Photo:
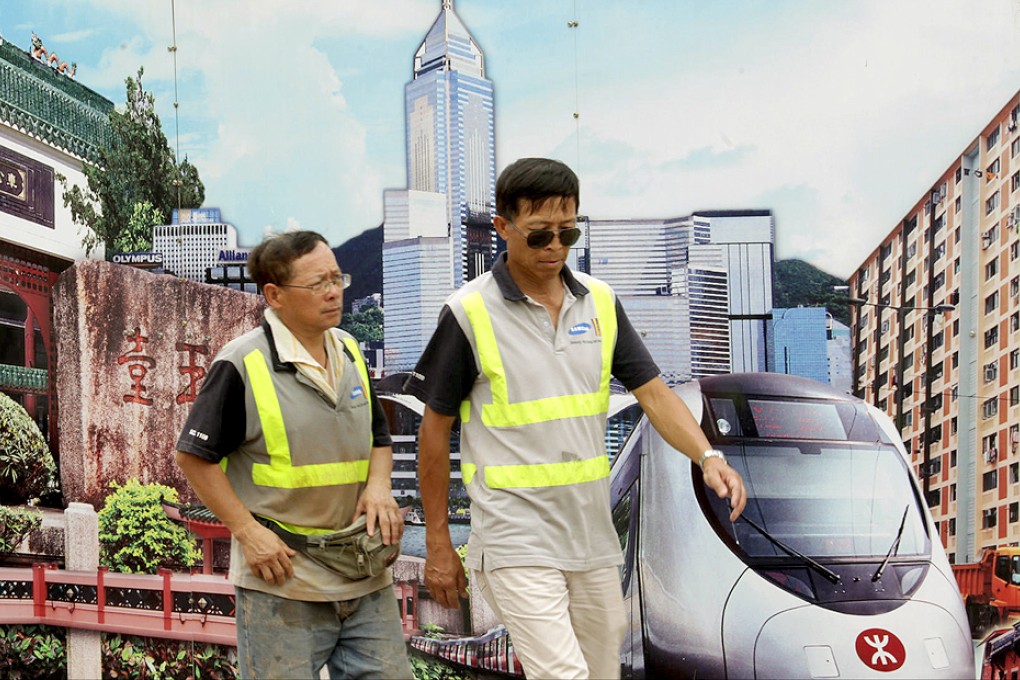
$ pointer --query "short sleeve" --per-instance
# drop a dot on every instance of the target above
(216, 425)
(447, 370)
(633, 365)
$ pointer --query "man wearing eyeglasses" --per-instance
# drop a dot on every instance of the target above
(523, 355)
(287, 445)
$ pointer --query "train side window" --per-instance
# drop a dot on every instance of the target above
(1015, 576)
(623, 522)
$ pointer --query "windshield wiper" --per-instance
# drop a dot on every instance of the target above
(820, 568)
(894, 547)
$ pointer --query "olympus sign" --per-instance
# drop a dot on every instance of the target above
(139, 259)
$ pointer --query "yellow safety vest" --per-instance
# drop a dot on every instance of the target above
(504, 413)
(280, 472)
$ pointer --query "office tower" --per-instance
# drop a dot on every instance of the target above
(191, 244)
(691, 285)
(746, 242)
(450, 163)
(798, 343)
(936, 340)
(451, 140)
(417, 273)
(838, 347)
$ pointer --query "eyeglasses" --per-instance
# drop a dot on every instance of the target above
(341, 281)
(540, 238)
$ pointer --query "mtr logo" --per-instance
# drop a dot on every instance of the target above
(880, 650)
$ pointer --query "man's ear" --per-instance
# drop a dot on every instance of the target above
(501, 225)
(272, 292)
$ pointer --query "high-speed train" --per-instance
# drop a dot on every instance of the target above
(834, 570)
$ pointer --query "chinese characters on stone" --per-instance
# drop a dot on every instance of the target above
(139, 363)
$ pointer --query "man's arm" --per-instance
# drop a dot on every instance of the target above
(267, 555)
(444, 573)
(673, 420)
(376, 500)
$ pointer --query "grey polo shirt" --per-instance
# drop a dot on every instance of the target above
(566, 527)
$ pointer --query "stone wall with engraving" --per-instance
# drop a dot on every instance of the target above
(132, 350)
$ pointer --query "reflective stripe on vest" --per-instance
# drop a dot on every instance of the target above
(502, 413)
(280, 473)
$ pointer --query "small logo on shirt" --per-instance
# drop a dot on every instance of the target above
(200, 435)
(579, 329)
(357, 392)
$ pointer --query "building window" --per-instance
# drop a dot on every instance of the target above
(1014, 395)
(1014, 473)
(1014, 322)
(993, 168)
(992, 203)
(1014, 512)
(1014, 250)
(953, 428)
(991, 337)
(1015, 148)
(992, 302)
(992, 268)
(1014, 285)
(1014, 360)
(989, 518)
(1014, 183)
(952, 458)
(952, 526)
(990, 407)
(993, 138)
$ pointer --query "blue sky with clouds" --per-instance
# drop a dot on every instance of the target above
(835, 115)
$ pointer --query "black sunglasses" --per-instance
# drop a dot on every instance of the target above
(540, 238)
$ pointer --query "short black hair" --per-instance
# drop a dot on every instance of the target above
(533, 181)
(270, 261)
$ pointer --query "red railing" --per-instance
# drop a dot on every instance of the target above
(172, 605)
(175, 605)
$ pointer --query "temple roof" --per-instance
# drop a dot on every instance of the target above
(52, 106)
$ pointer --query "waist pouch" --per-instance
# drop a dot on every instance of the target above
(350, 552)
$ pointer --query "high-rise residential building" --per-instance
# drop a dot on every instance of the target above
(193, 242)
(451, 146)
(937, 342)
(438, 232)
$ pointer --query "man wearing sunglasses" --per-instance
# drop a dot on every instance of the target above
(287, 445)
(523, 355)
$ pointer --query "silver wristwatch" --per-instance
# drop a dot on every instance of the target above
(711, 453)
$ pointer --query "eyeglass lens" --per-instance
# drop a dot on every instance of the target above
(540, 238)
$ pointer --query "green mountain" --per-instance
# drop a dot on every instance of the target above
(797, 283)
(361, 257)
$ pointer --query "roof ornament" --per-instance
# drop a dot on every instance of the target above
(51, 59)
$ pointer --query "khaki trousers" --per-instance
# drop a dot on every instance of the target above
(564, 624)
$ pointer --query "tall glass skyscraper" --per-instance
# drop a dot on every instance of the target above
(451, 153)
(451, 146)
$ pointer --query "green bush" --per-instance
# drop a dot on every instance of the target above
(136, 536)
(40, 652)
(27, 470)
(15, 525)
(32, 652)
(427, 667)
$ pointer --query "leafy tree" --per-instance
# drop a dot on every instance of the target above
(799, 283)
(366, 325)
(137, 179)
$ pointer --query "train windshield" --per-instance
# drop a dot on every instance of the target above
(825, 500)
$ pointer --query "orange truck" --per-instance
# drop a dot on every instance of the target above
(990, 587)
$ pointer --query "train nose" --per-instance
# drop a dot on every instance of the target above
(917, 640)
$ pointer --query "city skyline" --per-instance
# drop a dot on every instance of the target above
(832, 116)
